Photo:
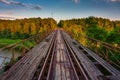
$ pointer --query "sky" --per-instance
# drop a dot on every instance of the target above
(59, 9)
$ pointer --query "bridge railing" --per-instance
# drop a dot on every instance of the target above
(109, 52)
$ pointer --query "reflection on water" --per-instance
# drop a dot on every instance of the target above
(3, 61)
(5, 56)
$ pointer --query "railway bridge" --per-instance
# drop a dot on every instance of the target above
(59, 57)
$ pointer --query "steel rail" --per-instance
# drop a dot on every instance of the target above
(73, 54)
(48, 54)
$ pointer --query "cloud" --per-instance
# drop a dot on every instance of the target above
(112, 0)
(12, 2)
(18, 3)
(10, 16)
(77, 1)
(37, 7)
(5, 1)
(7, 12)
(115, 0)
(7, 18)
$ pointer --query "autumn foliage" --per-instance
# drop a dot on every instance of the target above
(94, 27)
(24, 28)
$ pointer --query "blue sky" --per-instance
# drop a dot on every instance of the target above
(61, 9)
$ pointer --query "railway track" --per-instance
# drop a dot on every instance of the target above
(94, 67)
(60, 64)
(59, 57)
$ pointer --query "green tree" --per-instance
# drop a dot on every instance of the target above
(114, 36)
(61, 23)
(97, 33)
(7, 33)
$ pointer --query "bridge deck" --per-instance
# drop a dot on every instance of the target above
(25, 68)
(62, 68)
(59, 57)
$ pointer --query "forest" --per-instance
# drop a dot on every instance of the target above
(24, 28)
(93, 27)
(12, 31)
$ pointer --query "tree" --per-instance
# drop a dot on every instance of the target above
(114, 36)
(24, 28)
(97, 33)
(61, 23)
(7, 33)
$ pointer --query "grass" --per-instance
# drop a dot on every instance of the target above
(26, 45)
(5, 42)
